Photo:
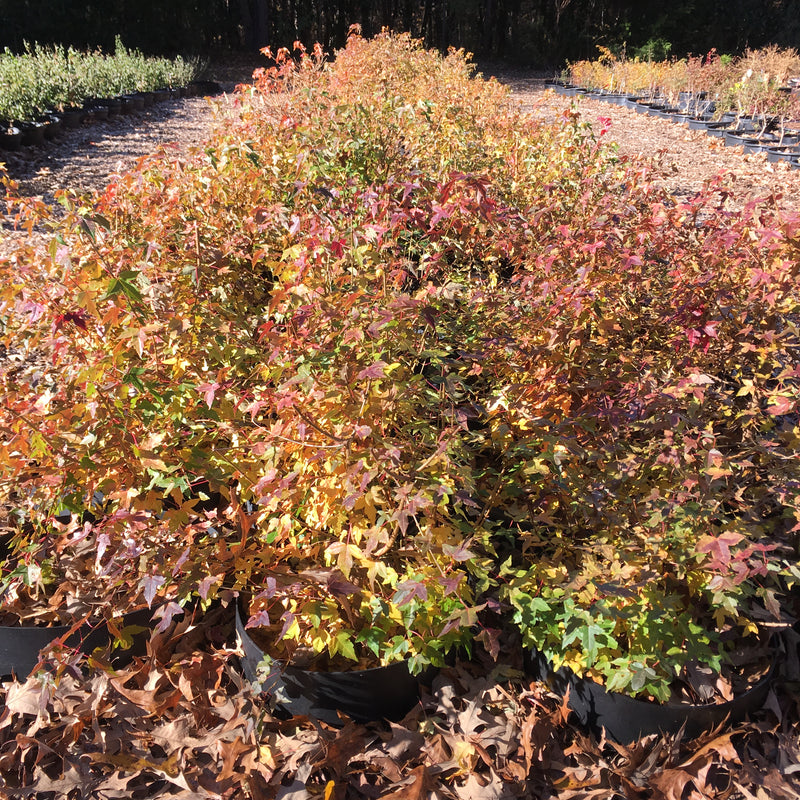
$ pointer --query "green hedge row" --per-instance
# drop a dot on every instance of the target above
(43, 78)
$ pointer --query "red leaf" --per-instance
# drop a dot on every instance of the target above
(460, 553)
(208, 390)
(259, 620)
(205, 585)
(165, 614)
(408, 590)
(780, 405)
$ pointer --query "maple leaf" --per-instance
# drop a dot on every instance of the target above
(460, 553)
(204, 585)
(259, 619)
(375, 370)
(362, 431)
(780, 405)
(208, 390)
(408, 590)
(166, 613)
(718, 547)
(150, 584)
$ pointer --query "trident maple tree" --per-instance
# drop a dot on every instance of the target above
(435, 366)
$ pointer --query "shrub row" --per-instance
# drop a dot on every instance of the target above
(756, 84)
(54, 78)
(408, 367)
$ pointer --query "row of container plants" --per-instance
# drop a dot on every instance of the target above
(47, 82)
(407, 372)
(751, 100)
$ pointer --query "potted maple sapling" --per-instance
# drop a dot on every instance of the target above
(50, 597)
(353, 559)
(322, 642)
(787, 108)
(779, 104)
(644, 546)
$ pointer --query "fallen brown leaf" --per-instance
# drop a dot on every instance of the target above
(415, 787)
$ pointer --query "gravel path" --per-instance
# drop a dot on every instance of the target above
(682, 160)
(86, 158)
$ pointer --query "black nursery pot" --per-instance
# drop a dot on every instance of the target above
(72, 117)
(388, 692)
(10, 137)
(33, 133)
(748, 142)
(626, 719)
(719, 129)
(52, 124)
(96, 111)
(207, 88)
(776, 154)
(20, 645)
(698, 123)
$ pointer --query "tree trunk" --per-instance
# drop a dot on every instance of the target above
(487, 37)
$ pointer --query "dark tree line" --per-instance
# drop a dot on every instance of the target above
(536, 32)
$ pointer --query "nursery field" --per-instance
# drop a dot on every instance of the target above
(378, 366)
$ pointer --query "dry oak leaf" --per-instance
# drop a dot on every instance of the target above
(25, 698)
(671, 783)
(482, 788)
(231, 752)
(415, 787)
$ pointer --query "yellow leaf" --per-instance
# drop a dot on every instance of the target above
(265, 757)
(465, 754)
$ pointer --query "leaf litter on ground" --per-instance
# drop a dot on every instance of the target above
(182, 722)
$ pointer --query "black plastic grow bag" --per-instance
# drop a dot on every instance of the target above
(626, 719)
(20, 645)
(388, 692)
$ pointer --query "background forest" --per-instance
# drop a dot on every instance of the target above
(541, 33)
